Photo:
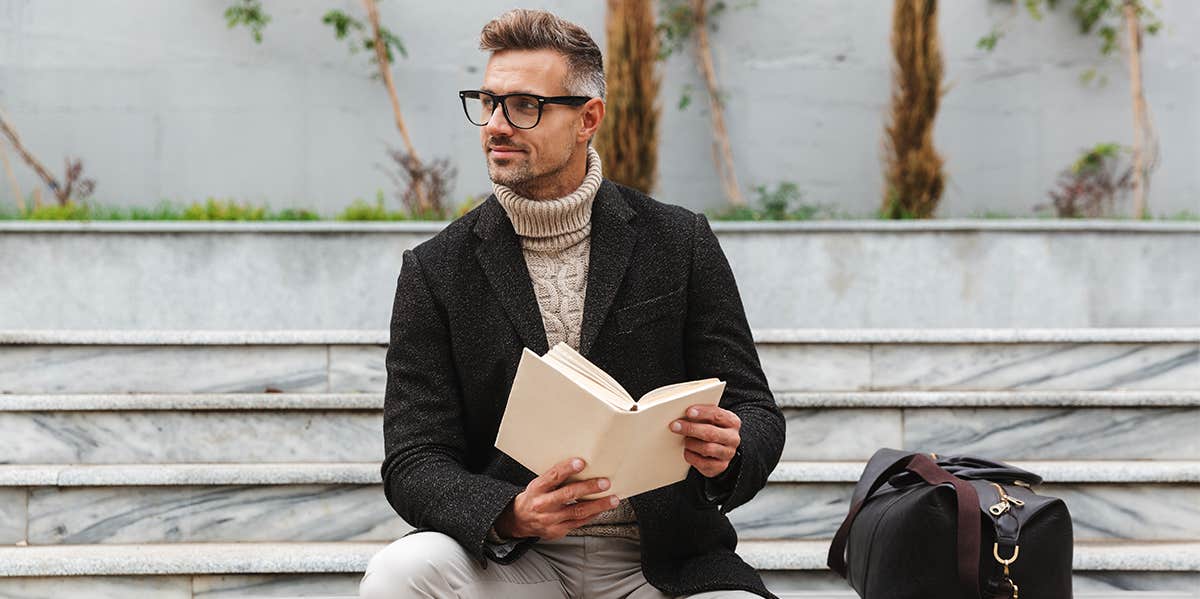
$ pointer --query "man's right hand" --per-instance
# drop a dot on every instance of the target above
(548, 509)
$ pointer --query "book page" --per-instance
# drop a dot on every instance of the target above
(654, 457)
(666, 392)
(564, 354)
(549, 418)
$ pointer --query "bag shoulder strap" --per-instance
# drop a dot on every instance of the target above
(889, 462)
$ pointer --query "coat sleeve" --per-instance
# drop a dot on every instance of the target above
(424, 474)
(719, 344)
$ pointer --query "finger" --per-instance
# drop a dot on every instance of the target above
(587, 509)
(707, 466)
(575, 490)
(715, 415)
(709, 450)
(707, 432)
(556, 475)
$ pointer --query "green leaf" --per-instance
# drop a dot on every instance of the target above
(391, 40)
(987, 43)
(249, 13)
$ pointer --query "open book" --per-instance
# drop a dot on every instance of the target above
(562, 406)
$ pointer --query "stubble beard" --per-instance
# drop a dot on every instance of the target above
(519, 175)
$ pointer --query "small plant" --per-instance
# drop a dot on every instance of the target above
(425, 181)
(683, 20)
(781, 203)
(1092, 185)
(1183, 215)
(71, 210)
(214, 209)
(414, 178)
(249, 13)
(343, 24)
(360, 210)
(1108, 18)
(73, 188)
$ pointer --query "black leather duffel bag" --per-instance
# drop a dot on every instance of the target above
(959, 528)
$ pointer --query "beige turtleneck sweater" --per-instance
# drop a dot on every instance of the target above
(556, 239)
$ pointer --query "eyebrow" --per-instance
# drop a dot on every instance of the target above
(520, 91)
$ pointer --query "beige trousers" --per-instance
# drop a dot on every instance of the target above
(431, 564)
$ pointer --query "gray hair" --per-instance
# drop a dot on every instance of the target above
(524, 29)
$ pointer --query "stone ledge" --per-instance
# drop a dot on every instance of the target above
(987, 399)
(85, 402)
(368, 473)
(762, 336)
(1078, 595)
(193, 337)
(124, 475)
(852, 595)
(718, 226)
(1056, 471)
(245, 558)
(979, 335)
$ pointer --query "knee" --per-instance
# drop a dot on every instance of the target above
(412, 566)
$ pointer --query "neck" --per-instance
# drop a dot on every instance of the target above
(558, 222)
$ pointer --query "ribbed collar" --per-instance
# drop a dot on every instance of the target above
(555, 224)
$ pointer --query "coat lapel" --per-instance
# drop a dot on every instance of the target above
(613, 239)
(500, 256)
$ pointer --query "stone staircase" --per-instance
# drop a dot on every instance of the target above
(246, 464)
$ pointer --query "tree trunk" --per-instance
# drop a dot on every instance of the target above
(722, 151)
(628, 138)
(914, 178)
(12, 181)
(51, 182)
(386, 72)
(1141, 115)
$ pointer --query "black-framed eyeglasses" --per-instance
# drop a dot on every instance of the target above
(523, 111)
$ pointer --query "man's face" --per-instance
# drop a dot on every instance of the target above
(517, 157)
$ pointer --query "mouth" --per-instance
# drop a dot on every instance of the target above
(504, 151)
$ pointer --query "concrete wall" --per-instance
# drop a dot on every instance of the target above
(162, 100)
(849, 275)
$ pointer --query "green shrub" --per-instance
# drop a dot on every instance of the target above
(781, 203)
(359, 210)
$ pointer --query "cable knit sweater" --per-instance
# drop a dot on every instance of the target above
(555, 238)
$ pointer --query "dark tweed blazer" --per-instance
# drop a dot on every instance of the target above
(661, 307)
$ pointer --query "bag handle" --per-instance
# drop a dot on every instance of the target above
(889, 462)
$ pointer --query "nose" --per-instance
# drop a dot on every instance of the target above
(497, 124)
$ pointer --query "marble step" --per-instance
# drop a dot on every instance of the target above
(197, 427)
(266, 402)
(852, 595)
(113, 504)
(333, 570)
(243, 558)
(793, 359)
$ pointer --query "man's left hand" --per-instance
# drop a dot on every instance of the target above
(711, 437)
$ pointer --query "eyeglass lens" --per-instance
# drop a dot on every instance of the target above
(522, 109)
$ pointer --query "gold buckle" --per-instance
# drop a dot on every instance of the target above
(1005, 562)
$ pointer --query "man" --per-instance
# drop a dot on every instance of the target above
(639, 287)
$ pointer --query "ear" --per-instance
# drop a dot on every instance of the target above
(592, 115)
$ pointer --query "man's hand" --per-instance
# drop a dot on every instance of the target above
(711, 437)
(548, 509)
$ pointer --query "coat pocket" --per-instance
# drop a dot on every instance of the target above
(628, 318)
